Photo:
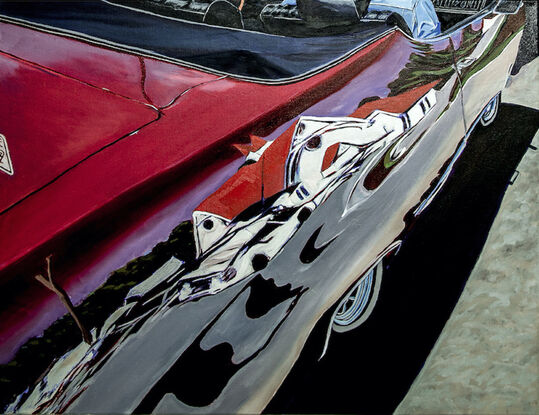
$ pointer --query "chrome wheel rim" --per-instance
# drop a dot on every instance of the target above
(490, 111)
(357, 305)
(351, 308)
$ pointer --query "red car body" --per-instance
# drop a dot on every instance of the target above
(133, 124)
(103, 138)
(94, 132)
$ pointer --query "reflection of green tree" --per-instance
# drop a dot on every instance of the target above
(426, 65)
(34, 356)
(498, 44)
(470, 39)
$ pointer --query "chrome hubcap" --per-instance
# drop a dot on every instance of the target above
(353, 306)
(490, 111)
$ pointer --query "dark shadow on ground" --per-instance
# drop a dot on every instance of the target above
(369, 370)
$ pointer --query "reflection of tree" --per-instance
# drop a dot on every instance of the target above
(52, 285)
(470, 39)
(63, 335)
(426, 65)
(506, 33)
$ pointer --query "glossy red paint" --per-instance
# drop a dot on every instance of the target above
(104, 68)
(147, 80)
(266, 177)
(30, 307)
(186, 131)
(395, 104)
(164, 82)
(253, 182)
(330, 155)
(52, 123)
(256, 143)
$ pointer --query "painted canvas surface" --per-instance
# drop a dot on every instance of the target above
(246, 206)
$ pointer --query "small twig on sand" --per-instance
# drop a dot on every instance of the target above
(51, 285)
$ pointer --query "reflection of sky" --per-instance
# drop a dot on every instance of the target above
(372, 82)
(457, 39)
(8, 73)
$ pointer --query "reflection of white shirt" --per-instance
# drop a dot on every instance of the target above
(418, 14)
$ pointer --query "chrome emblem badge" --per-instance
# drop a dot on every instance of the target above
(5, 159)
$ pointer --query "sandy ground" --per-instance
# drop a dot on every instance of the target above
(486, 359)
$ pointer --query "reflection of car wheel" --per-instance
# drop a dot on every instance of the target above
(358, 303)
(489, 113)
